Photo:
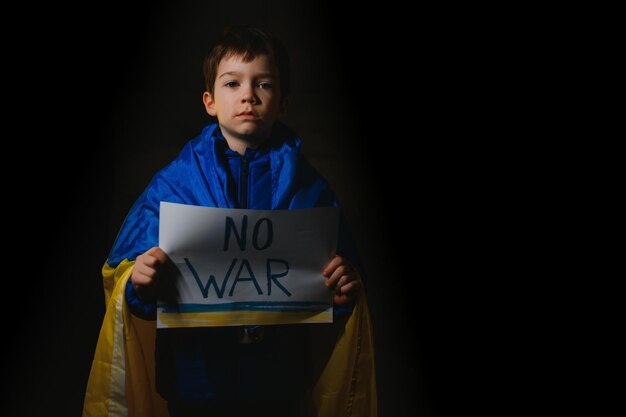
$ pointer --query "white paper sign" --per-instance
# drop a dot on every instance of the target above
(247, 266)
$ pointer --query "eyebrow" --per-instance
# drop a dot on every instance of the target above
(237, 73)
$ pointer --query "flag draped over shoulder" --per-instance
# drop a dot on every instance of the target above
(122, 378)
(121, 382)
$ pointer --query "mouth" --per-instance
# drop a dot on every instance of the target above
(247, 115)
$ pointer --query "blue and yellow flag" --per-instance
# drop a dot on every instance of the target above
(122, 378)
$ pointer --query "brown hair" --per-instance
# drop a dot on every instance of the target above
(247, 43)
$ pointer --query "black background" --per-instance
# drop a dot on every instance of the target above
(110, 95)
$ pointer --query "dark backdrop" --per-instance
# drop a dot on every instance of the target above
(111, 94)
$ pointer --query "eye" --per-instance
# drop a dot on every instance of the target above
(231, 84)
(265, 86)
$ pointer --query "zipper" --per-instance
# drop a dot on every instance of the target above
(247, 334)
(244, 182)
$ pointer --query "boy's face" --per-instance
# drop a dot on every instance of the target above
(246, 98)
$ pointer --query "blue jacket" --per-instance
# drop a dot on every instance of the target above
(208, 363)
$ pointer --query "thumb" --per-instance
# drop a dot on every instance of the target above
(153, 250)
(159, 254)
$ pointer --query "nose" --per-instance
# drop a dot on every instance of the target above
(248, 95)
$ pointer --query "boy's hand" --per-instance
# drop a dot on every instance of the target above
(342, 277)
(151, 267)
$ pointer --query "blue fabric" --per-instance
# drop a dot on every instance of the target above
(207, 363)
(146, 311)
(200, 176)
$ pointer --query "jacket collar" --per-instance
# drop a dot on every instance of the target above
(284, 150)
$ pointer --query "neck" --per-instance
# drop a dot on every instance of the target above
(239, 144)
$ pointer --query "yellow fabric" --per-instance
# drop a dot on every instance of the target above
(122, 380)
(346, 386)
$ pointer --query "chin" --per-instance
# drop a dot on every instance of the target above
(254, 133)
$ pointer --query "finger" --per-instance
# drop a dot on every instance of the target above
(153, 250)
(139, 279)
(144, 269)
(346, 279)
(332, 265)
(343, 300)
(350, 288)
(337, 274)
(147, 260)
(158, 254)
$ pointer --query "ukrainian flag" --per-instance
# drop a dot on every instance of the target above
(122, 378)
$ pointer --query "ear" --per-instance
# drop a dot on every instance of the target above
(209, 103)
(282, 109)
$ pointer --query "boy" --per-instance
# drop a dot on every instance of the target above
(246, 160)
